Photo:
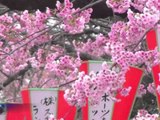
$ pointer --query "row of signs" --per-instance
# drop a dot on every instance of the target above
(39, 104)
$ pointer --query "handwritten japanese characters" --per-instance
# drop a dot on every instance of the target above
(44, 104)
(102, 111)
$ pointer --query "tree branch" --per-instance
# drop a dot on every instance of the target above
(14, 77)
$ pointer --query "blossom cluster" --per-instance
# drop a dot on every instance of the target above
(121, 6)
(131, 32)
(93, 86)
(144, 115)
(73, 19)
(150, 88)
(65, 69)
(20, 32)
(141, 90)
(123, 45)
(91, 47)
(139, 4)
(51, 68)
(17, 27)
(12, 65)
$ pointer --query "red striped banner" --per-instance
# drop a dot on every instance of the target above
(118, 110)
(153, 41)
(59, 107)
(122, 110)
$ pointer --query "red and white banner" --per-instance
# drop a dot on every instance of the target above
(11, 111)
(41, 103)
(153, 41)
(107, 109)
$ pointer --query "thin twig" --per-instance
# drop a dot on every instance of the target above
(89, 5)
(62, 85)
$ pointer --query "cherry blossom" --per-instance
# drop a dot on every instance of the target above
(141, 90)
(151, 88)
(73, 20)
(143, 114)
(94, 48)
(51, 55)
(119, 6)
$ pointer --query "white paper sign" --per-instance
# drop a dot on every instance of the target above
(158, 38)
(103, 111)
(44, 103)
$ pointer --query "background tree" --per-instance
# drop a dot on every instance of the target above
(45, 48)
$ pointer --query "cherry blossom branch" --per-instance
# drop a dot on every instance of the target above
(14, 77)
(43, 32)
(62, 85)
(141, 39)
(90, 5)
(70, 48)
(135, 46)
(18, 42)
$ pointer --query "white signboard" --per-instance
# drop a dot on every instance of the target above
(158, 38)
(103, 111)
(43, 104)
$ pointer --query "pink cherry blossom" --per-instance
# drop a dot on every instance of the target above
(73, 20)
(119, 6)
(151, 88)
(144, 115)
(141, 90)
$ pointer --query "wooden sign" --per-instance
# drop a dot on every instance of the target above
(153, 41)
(107, 109)
(42, 103)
